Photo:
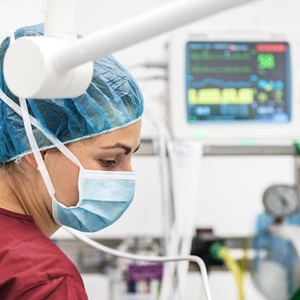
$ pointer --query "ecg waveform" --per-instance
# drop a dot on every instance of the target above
(237, 81)
(225, 69)
(222, 83)
(207, 55)
(267, 85)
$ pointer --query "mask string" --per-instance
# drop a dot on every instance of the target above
(22, 110)
(56, 142)
(12, 38)
(33, 144)
(35, 148)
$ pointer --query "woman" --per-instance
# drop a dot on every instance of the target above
(71, 167)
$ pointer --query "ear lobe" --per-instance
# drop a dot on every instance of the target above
(31, 160)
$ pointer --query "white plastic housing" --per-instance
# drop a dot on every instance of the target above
(129, 32)
(32, 70)
(61, 19)
(239, 133)
(29, 70)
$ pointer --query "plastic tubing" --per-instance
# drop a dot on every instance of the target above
(221, 252)
(117, 253)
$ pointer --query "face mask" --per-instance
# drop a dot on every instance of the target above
(103, 196)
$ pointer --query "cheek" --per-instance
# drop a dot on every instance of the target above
(64, 177)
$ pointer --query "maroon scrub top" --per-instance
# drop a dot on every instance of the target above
(31, 265)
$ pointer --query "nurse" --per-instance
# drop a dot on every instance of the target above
(63, 162)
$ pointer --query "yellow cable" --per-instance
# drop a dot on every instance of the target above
(233, 266)
(245, 261)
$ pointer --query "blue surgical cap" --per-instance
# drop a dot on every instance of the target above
(112, 101)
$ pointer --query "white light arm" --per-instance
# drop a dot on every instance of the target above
(145, 26)
(61, 19)
(46, 67)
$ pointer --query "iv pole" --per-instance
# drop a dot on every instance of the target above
(59, 65)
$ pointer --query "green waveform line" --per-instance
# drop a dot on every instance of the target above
(206, 55)
(226, 69)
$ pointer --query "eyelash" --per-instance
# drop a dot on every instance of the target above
(107, 163)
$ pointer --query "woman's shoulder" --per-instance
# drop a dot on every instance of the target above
(28, 258)
(16, 229)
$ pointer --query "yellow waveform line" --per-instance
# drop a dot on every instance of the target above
(217, 96)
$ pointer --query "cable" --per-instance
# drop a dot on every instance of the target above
(170, 245)
(219, 251)
(192, 172)
(235, 269)
(245, 259)
(117, 253)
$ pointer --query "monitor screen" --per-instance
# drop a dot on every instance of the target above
(238, 81)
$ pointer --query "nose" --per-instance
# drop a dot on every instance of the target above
(126, 167)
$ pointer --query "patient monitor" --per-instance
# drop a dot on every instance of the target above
(229, 86)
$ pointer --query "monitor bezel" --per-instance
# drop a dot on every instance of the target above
(239, 132)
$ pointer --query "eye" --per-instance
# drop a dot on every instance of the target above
(107, 163)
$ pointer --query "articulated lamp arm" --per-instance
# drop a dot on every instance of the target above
(51, 67)
(140, 28)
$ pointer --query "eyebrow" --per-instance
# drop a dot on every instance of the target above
(122, 146)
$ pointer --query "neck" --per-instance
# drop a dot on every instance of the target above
(18, 196)
(9, 199)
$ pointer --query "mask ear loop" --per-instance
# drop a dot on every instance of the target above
(35, 148)
(12, 38)
(22, 110)
(33, 144)
(56, 142)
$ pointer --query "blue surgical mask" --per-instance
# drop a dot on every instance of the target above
(103, 196)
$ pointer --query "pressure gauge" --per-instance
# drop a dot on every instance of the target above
(281, 200)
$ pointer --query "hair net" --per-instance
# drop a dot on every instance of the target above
(113, 100)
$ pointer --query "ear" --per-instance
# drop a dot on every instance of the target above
(31, 160)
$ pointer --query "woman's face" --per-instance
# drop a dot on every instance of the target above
(108, 152)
